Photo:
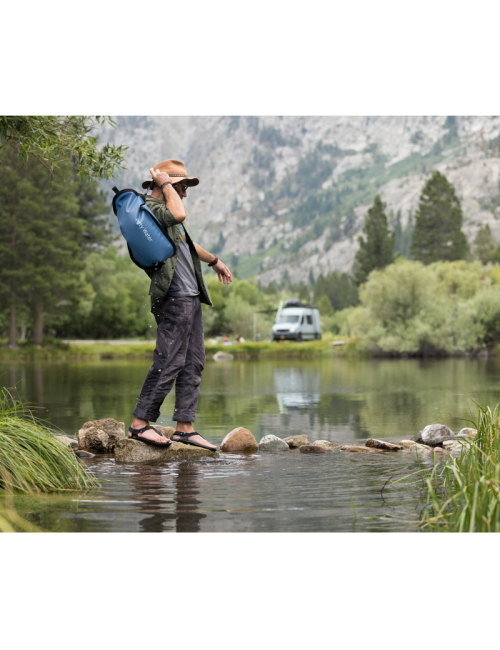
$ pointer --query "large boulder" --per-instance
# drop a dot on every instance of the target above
(381, 444)
(101, 436)
(135, 451)
(239, 439)
(435, 434)
(273, 443)
(324, 444)
(294, 442)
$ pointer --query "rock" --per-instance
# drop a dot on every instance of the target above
(101, 436)
(273, 443)
(434, 434)
(223, 356)
(324, 444)
(355, 448)
(407, 444)
(168, 432)
(135, 451)
(456, 445)
(83, 454)
(69, 442)
(439, 450)
(417, 447)
(294, 442)
(466, 432)
(313, 449)
(385, 446)
(239, 439)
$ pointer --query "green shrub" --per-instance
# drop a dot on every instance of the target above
(33, 460)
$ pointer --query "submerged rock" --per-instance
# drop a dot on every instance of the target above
(69, 442)
(273, 443)
(313, 449)
(355, 448)
(223, 356)
(239, 439)
(83, 454)
(135, 451)
(435, 434)
(101, 436)
(381, 444)
(324, 444)
(294, 442)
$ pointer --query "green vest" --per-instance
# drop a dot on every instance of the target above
(162, 277)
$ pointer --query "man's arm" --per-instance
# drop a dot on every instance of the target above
(221, 269)
(172, 199)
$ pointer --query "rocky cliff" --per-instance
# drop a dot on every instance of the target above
(291, 193)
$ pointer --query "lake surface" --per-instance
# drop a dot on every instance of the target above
(340, 400)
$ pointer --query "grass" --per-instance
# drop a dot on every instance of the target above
(463, 495)
(33, 460)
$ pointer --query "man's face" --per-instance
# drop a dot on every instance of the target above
(181, 189)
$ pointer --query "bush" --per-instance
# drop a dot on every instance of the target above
(441, 309)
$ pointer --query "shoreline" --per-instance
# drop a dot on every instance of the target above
(251, 351)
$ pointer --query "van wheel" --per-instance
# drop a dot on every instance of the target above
(299, 337)
(318, 337)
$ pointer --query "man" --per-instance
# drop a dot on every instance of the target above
(177, 291)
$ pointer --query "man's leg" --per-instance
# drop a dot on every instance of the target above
(173, 318)
(187, 385)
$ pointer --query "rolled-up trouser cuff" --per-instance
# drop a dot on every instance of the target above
(142, 414)
(184, 416)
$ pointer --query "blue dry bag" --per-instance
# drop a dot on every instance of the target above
(148, 242)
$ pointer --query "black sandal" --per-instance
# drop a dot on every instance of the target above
(134, 436)
(181, 434)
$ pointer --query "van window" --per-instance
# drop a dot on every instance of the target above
(309, 320)
(288, 319)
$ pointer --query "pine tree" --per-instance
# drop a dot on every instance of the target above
(438, 224)
(42, 227)
(484, 247)
(376, 252)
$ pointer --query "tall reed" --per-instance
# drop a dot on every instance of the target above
(33, 460)
(463, 495)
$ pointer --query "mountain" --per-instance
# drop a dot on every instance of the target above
(291, 193)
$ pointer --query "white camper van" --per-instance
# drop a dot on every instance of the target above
(296, 322)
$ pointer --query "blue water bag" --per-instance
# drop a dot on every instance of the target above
(148, 242)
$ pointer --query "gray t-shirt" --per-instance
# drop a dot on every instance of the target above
(184, 281)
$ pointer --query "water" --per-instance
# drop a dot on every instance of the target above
(340, 400)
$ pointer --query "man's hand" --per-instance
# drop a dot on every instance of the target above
(223, 272)
(159, 177)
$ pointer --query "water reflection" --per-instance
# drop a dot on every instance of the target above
(168, 504)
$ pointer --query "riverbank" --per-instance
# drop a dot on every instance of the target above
(104, 350)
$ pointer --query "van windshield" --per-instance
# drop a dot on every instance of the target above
(288, 319)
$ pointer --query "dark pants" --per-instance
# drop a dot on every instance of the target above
(179, 352)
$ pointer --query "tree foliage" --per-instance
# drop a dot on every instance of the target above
(339, 288)
(46, 228)
(438, 223)
(443, 308)
(377, 250)
(53, 140)
(484, 247)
